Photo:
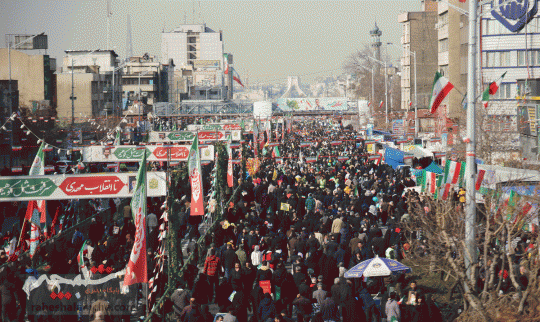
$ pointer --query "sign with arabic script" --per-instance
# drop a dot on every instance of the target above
(514, 14)
(80, 186)
(132, 153)
(188, 136)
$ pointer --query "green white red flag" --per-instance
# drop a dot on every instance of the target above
(491, 90)
(195, 179)
(441, 88)
(430, 182)
(80, 257)
(39, 211)
(136, 271)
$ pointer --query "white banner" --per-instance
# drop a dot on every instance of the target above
(79, 186)
(133, 153)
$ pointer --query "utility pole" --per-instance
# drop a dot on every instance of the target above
(470, 169)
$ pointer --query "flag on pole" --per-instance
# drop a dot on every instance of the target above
(54, 222)
(441, 88)
(136, 271)
(226, 63)
(492, 90)
(195, 179)
(430, 182)
(236, 77)
(80, 257)
(39, 212)
(230, 178)
(381, 104)
(117, 140)
(275, 152)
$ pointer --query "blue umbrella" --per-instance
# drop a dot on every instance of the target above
(377, 267)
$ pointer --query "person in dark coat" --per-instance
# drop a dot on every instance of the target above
(201, 290)
(267, 309)
(229, 259)
(255, 298)
(240, 304)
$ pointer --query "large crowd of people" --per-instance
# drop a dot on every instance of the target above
(280, 253)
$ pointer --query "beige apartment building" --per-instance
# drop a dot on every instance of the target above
(419, 37)
(452, 27)
(35, 77)
(89, 74)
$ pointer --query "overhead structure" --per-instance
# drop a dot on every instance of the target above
(293, 81)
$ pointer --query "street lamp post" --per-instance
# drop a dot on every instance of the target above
(385, 85)
(73, 98)
(416, 125)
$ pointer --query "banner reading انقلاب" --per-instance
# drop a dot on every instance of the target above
(136, 269)
(195, 179)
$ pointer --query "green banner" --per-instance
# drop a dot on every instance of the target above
(26, 188)
(131, 153)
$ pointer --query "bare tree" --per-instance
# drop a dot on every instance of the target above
(505, 285)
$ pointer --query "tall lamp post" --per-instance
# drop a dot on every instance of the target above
(141, 74)
(416, 125)
(385, 85)
(15, 46)
(372, 84)
(470, 168)
(73, 98)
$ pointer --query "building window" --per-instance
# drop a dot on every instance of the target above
(443, 45)
(444, 70)
(521, 58)
(443, 19)
(504, 92)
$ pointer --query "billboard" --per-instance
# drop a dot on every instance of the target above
(133, 153)
(79, 186)
(206, 64)
(313, 104)
(164, 136)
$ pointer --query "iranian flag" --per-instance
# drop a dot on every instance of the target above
(381, 104)
(492, 90)
(236, 77)
(39, 212)
(441, 88)
(136, 271)
(430, 182)
(226, 63)
(275, 152)
(230, 179)
(80, 257)
(195, 179)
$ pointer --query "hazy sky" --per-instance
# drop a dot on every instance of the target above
(270, 39)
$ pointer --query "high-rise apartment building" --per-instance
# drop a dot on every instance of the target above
(452, 27)
(197, 52)
(419, 37)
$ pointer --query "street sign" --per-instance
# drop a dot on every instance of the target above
(79, 186)
(132, 153)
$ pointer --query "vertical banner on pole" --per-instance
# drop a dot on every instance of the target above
(136, 269)
(195, 179)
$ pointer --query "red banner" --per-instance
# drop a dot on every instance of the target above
(195, 179)
(230, 179)
(98, 185)
(266, 286)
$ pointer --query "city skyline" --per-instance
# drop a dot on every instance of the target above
(270, 40)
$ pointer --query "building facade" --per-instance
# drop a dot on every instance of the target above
(197, 52)
(419, 37)
(146, 80)
(452, 32)
(516, 53)
(89, 75)
(36, 80)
